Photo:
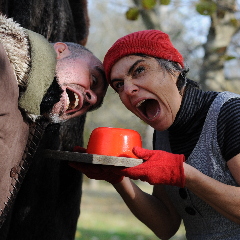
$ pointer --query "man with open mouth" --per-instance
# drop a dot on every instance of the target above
(82, 81)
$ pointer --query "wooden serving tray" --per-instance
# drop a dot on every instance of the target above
(92, 158)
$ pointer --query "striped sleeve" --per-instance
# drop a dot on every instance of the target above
(228, 130)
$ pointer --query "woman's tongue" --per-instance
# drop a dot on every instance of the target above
(150, 108)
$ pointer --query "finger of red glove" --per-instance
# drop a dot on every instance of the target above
(160, 167)
(93, 171)
(79, 149)
(157, 155)
(85, 167)
(98, 172)
(141, 153)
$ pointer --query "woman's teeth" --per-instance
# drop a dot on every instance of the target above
(149, 108)
(139, 104)
(150, 118)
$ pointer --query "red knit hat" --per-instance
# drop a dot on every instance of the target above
(149, 42)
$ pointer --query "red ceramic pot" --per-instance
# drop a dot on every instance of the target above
(117, 142)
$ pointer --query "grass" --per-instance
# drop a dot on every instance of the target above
(104, 216)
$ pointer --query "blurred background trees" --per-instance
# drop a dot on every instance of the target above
(206, 32)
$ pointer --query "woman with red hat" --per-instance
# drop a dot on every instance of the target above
(198, 182)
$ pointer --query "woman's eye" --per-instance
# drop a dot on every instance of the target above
(138, 70)
(117, 85)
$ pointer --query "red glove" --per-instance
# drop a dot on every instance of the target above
(160, 167)
(95, 171)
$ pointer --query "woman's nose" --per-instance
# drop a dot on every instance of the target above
(90, 97)
(130, 88)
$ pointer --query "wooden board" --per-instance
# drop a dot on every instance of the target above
(92, 158)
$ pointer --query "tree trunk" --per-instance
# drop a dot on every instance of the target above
(223, 27)
(150, 17)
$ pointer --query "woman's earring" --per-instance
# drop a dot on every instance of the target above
(181, 83)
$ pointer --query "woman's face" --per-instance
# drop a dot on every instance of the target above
(147, 90)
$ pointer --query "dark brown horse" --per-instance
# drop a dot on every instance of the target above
(47, 206)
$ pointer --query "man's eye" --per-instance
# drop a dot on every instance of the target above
(94, 81)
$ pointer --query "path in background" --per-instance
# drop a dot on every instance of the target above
(104, 216)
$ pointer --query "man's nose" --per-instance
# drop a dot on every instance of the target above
(91, 97)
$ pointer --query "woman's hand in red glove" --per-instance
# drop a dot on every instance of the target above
(95, 171)
(159, 167)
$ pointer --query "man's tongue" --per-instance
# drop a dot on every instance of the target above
(150, 108)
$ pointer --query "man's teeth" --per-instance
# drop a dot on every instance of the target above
(140, 103)
(76, 100)
(72, 104)
(68, 101)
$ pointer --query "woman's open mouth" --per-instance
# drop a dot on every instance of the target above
(149, 108)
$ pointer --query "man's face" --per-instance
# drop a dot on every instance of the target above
(84, 86)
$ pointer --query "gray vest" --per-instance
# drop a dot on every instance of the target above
(201, 221)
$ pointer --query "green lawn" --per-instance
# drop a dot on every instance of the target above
(104, 216)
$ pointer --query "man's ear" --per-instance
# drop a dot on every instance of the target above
(61, 50)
